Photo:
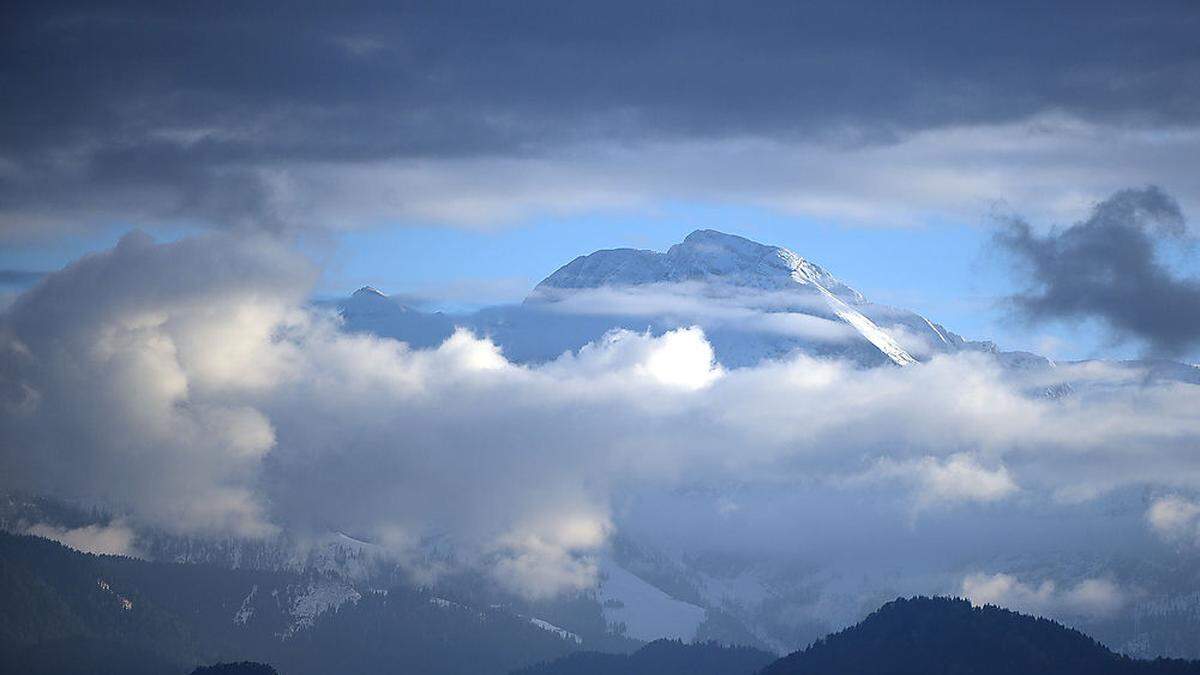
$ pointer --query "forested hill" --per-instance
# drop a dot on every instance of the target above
(919, 636)
(662, 657)
(62, 611)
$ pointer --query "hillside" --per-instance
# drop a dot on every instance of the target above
(940, 635)
(662, 657)
(65, 611)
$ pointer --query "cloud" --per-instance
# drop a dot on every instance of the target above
(1089, 598)
(1054, 166)
(1175, 518)
(227, 121)
(115, 538)
(725, 309)
(958, 477)
(188, 385)
(539, 562)
(104, 362)
(680, 358)
(1110, 267)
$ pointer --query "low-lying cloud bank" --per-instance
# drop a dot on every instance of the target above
(1176, 519)
(115, 538)
(1094, 598)
(189, 386)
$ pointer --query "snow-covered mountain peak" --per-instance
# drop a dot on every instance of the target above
(754, 302)
(368, 292)
(718, 263)
(369, 301)
(705, 256)
(709, 254)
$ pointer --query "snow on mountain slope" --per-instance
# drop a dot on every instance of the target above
(714, 263)
(704, 255)
(319, 596)
(753, 301)
(644, 611)
(868, 329)
(560, 632)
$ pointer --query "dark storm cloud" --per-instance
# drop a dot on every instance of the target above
(106, 101)
(1109, 267)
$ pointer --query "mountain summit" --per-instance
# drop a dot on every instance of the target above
(754, 302)
(943, 635)
(718, 265)
(705, 256)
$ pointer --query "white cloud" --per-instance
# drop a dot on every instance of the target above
(187, 386)
(714, 305)
(1053, 165)
(1175, 518)
(1089, 597)
(680, 358)
(957, 478)
(115, 538)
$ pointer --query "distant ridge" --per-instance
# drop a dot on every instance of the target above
(921, 635)
(661, 657)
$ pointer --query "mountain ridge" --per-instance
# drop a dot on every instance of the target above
(754, 301)
(919, 635)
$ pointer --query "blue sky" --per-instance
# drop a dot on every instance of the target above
(947, 271)
(461, 155)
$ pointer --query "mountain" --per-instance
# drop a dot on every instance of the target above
(949, 636)
(720, 266)
(241, 668)
(916, 636)
(65, 611)
(704, 255)
(754, 302)
(661, 657)
(368, 310)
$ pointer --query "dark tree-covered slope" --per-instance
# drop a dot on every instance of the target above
(240, 668)
(62, 611)
(924, 636)
(662, 657)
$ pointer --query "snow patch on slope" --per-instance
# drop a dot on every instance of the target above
(247, 609)
(561, 632)
(868, 329)
(645, 612)
(317, 598)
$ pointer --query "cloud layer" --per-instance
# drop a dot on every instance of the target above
(373, 113)
(1090, 597)
(189, 386)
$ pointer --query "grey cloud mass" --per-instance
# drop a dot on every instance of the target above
(153, 110)
(1111, 267)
